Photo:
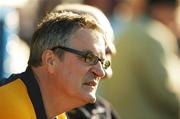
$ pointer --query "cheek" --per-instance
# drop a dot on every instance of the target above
(73, 75)
(77, 69)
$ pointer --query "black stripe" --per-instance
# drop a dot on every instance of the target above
(34, 92)
(5, 81)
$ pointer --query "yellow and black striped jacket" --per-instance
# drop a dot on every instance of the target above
(20, 97)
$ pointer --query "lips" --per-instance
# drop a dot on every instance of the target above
(91, 83)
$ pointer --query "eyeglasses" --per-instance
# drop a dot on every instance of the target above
(88, 56)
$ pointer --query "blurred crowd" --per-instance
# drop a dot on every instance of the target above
(146, 68)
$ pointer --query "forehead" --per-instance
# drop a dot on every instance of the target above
(88, 39)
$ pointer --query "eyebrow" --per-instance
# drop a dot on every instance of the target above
(98, 54)
(80, 53)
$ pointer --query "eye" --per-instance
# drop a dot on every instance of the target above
(91, 58)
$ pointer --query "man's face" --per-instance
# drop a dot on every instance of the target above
(75, 78)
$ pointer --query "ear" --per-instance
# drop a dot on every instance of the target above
(49, 60)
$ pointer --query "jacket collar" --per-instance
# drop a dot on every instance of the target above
(34, 92)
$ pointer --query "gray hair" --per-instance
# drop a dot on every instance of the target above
(57, 29)
(97, 14)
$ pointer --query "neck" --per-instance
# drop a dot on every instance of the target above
(55, 101)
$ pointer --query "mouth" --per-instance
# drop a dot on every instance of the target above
(91, 83)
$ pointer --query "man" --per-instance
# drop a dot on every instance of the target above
(101, 108)
(67, 60)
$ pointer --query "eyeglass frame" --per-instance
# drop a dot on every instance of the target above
(84, 54)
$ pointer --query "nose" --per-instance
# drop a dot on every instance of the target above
(98, 70)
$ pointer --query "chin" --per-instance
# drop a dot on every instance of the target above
(90, 98)
(93, 100)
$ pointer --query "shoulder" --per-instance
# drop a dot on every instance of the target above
(14, 99)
